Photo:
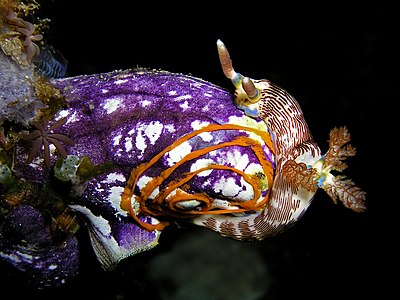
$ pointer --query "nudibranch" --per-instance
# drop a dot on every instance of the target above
(300, 167)
(292, 176)
(155, 135)
(150, 147)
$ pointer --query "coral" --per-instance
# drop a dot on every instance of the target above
(27, 35)
(5, 174)
(50, 63)
(66, 168)
(17, 94)
(28, 246)
(50, 96)
(43, 135)
(23, 92)
(18, 37)
(78, 170)
(65, 223)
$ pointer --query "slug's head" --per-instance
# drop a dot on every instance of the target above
(248, 91)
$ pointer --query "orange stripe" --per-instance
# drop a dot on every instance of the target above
(156, 209)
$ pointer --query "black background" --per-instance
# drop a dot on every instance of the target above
(334, 59)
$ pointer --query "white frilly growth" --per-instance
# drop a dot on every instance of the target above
(17, 101)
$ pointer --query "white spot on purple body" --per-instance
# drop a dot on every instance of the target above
(117, 139)
(202, 163)
(227, 187)
(145, 103)
(183, 97)
(170, 128)
(184, 105)
(179, 152)
(128, 144)
(121, 81)
(153, 131)
(172, 93)
(196, 125)
(112, 104)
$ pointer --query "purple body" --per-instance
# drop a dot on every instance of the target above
(125, 118)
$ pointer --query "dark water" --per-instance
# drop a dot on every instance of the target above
(334, 60)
